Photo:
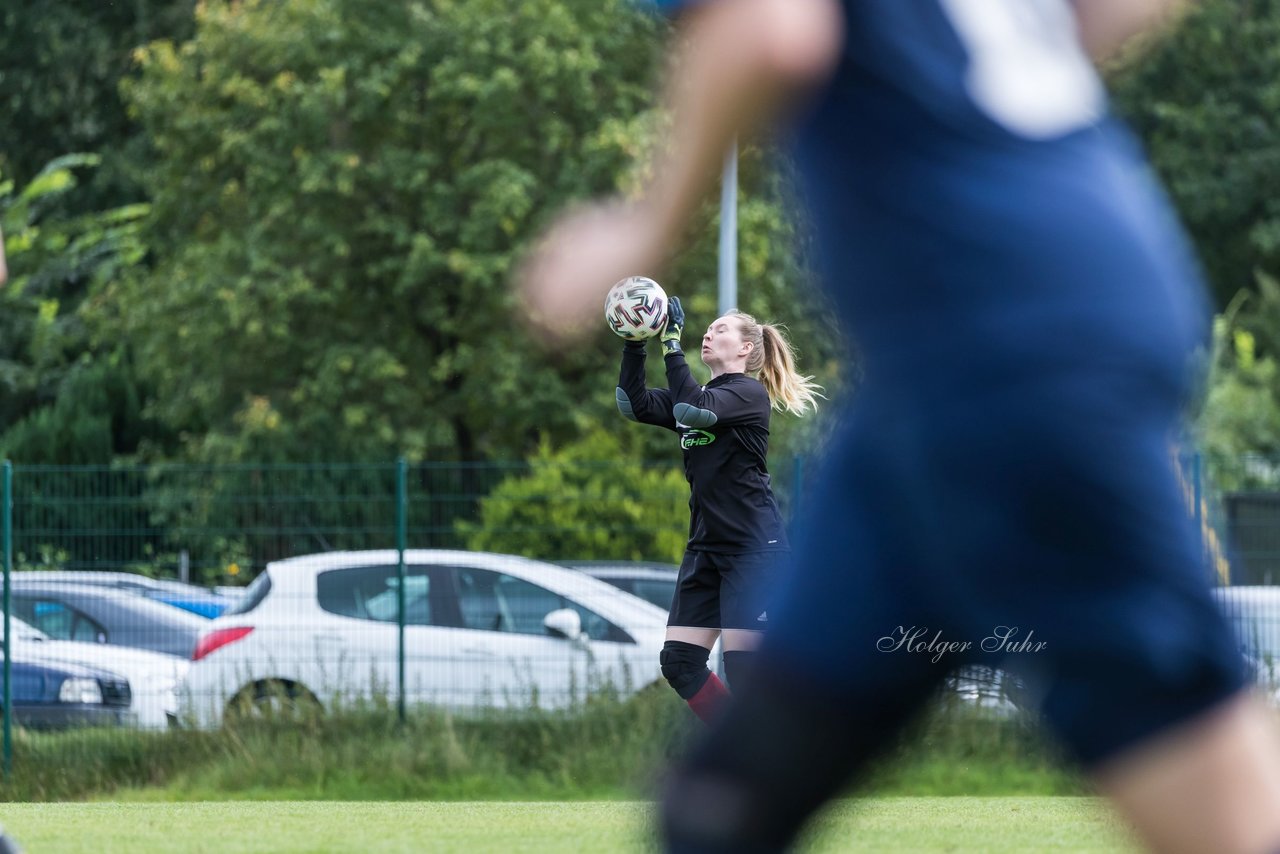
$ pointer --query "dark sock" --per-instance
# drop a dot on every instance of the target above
(737, 667)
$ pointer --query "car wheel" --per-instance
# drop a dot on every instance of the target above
(273, 699)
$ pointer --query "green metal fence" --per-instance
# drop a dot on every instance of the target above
(219, 526)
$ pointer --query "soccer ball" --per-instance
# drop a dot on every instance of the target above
(636, 308)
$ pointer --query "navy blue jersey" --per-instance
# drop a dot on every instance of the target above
(980, 212)
(972, 65)
(724, 434)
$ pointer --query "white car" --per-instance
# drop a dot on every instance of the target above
(1254, 612)
(482, 630)
(653, 582)
(153, 676)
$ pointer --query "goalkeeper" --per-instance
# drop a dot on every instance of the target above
(736, 534)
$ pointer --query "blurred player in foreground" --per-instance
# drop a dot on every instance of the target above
(1025, 305)
(735, 530)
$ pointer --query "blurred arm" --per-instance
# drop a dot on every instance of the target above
(737, 64)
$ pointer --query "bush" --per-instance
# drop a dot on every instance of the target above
(569, 504)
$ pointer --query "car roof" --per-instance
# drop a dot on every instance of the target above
(122, 599)
(642, 573)
(297, 575)
(111, 578)
(639, 570)
(619, 564)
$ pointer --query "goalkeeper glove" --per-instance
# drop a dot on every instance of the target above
(675, 325)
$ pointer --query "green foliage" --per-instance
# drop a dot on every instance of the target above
(61, 64)
(66, 396)
(340, 191)
(607, 748)
(954, 749)
(1240, 418)
(569, 505)
(237, 518)
(1206, 100)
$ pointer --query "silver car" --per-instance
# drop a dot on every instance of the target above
(81, 612)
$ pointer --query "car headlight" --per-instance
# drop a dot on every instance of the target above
(79, 689)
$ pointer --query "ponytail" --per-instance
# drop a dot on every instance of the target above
(773, 360)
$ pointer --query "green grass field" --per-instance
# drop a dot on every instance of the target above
(877, 824)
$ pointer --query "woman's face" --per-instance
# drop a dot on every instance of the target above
(723, 350)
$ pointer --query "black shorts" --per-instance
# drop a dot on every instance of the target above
(724, 591)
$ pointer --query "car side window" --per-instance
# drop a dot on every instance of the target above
(525, 604)
(59, 621)
(478, 600)
(372, 593)
(495, 601)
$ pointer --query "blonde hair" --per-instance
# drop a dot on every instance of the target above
(774, 361)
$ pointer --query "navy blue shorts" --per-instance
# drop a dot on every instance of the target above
(724, 591)
(1037, 527)
(1004, 490)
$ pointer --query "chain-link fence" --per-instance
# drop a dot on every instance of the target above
(391, 584)
(150, 597)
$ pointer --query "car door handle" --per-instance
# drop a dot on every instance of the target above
(478, 652)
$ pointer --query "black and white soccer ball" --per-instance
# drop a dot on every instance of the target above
(636, 308)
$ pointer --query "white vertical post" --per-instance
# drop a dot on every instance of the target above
(729, 231)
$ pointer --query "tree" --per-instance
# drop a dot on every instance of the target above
(61, 65)
(1239, 422)
(68, 396)
(1206, 100)
(340, 190)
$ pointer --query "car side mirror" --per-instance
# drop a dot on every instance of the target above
(565, 623)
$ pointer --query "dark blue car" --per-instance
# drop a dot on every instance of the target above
(60, 696)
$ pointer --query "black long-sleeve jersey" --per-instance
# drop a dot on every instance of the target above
(724, 434)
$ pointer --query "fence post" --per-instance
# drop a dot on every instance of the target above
(6, 498)
(402, 515)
